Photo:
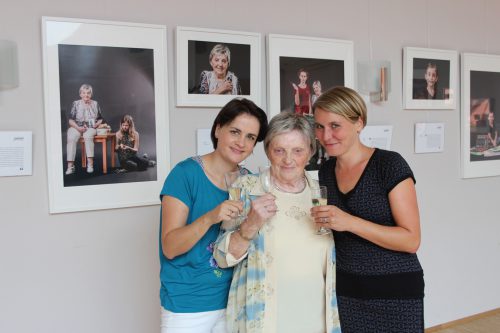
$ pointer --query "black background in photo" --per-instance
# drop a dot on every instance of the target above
(199, 54)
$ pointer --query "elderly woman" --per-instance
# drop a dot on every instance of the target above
(84, 118)
(219, 80)
(283, 268)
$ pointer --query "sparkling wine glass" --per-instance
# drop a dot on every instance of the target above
(319, 197)
(265, 178)
(235, 189)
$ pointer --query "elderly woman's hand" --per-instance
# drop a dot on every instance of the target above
(224, 87)
(262, 209)
(331, 217)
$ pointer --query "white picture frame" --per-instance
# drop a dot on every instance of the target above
(112, 53)
(415, 63)
(330, 61)
(480, 74)
(194, 46)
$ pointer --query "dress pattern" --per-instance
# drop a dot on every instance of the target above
(378, 290)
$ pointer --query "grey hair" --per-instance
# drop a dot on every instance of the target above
(220, 49)
(318, 83)
(286, 122)
(85, 86)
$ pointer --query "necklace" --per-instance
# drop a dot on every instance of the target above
(302, 186)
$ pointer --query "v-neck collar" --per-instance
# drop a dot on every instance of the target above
(348, 193)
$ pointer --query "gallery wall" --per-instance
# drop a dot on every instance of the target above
(97, 271)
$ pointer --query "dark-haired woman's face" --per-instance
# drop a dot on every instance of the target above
(303, 77)
(236, 140)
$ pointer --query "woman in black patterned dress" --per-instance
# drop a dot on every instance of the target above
(373, 212)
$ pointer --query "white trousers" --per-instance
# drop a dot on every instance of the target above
(197, 322)
(74, 136)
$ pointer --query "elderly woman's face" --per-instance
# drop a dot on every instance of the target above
(219, 64)
(85, 95)
(289, 153)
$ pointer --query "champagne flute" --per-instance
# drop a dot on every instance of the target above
(235, 189)
(265, 178)
(319, 197)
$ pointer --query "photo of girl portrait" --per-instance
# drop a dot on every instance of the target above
(302, 81)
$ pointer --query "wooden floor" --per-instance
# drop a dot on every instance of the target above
(487, 322)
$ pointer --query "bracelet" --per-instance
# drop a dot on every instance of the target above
(248, 239)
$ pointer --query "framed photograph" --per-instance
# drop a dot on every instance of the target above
(214, 66)
(300, 69)
(430, 78)
(106, 116)
(480, 115)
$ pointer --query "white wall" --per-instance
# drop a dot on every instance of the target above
(97, 271)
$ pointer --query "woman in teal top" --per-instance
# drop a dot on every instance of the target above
(194, 201)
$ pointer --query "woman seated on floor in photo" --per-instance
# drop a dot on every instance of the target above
(127, 147)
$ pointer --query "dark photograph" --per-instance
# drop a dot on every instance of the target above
(302, 80)
(107, 114)
(218, 68)
(484, 116)
(431, 79)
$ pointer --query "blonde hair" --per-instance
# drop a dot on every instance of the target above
(343, 101)
(131, 127)
(85, 86)
(220, 49)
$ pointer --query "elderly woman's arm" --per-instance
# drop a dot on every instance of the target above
(232, 247)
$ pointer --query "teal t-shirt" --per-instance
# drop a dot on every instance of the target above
(192, 282)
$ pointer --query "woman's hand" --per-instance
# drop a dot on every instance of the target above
(262, 209)
(331, 217)
(295, 87)
(224, 87)
(228, 210)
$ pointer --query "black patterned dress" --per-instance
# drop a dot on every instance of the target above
(378, 290)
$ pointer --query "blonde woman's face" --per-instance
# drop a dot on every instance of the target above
(335, 133)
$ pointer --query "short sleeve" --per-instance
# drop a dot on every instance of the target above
(395, 170)
(178, 185)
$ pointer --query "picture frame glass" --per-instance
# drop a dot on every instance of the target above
(96, 74)
(430, 78)
(215, 66)
(480, 115)
(300, 69)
